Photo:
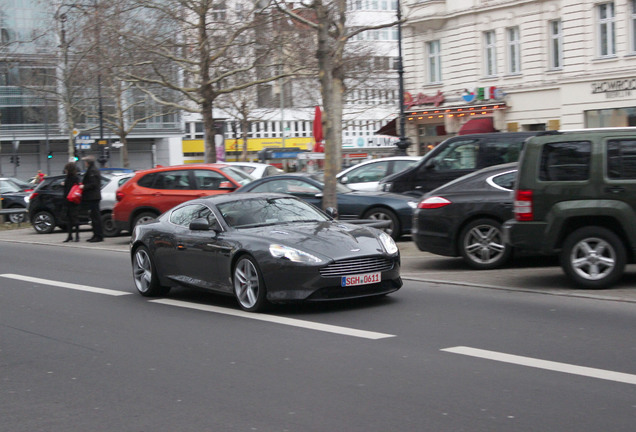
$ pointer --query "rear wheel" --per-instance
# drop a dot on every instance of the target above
(43, 222)
(381, 214)
(145, 274)
(143, 217)
(17, 217)
(481, 244)
(594, 257)
(249, 288)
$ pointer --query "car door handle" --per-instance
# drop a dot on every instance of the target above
(615, 189)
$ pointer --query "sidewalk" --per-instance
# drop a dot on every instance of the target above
(536, 275)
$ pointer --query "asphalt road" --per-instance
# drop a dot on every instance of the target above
(80, 351)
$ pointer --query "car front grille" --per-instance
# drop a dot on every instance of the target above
(356, 266)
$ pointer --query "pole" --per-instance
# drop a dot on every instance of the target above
(403, 142)
(46, 135)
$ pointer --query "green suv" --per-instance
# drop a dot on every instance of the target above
(575, 196)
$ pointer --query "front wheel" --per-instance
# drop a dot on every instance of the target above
(594, 257)
(249, 287)
(108, 225)
(145, 274)
(384, 215)
(481, 244)
(43, 222)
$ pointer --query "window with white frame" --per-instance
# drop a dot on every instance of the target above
(433, 49)
(490, 53)
(556, 44)
(606, 30)
(514, 50)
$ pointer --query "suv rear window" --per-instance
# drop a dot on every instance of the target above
(621, 159)
(565, 161)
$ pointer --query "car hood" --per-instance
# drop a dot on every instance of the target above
(335, 239)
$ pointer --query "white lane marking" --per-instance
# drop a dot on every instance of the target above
(65, 285)
(544, 364)
(278, 320)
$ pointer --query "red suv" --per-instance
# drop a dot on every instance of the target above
(151, 192)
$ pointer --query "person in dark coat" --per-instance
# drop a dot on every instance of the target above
(91, 196)
(72, 209)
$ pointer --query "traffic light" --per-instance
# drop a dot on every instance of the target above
(17, 161)
(11, 159)
(75, 155)
(50, 155)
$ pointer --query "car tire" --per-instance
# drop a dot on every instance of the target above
(108, 225)
(17, 217)
(144, 217)
(593, 257)
(382, 214)
(145, 274)
(43, 222)
(249, 288)
(481, 244)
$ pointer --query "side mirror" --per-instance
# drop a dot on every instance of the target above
(199, 224)
(332, 212)
(226, 185)
(344, 180)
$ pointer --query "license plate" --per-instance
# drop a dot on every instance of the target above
(362, 279)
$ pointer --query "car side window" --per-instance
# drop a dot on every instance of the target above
(499, 151)
(459, 155)
(147, 180)
(505, 180)
(401, 165)
(172, 180)
(565, 161)
(621, 159)
(368, 173)
(208, 180)
(183, 216)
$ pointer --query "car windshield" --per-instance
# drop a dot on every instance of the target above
(241, 177)
(268, 211)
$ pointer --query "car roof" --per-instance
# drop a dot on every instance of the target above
(484, 172)
(237, 196)
(162, 168)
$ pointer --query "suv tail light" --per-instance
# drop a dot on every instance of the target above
(523, 206)
(433, 202)
(119, 196)
(33, 195)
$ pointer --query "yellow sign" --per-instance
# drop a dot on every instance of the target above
(253, 144)
(76, 132)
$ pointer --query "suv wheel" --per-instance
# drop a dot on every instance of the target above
(143, 217)
(594, 257)
(43, 222)
(481, 244)
(108, 225)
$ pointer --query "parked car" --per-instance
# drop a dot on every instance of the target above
(395, 209)
(575, 197)
(21, 184)
(367, 175)
(47, 205)
(464, 217)
(151, 192)
(15, 198)
(108, 202)
(255, 169)
(262, 248)
(456, 157)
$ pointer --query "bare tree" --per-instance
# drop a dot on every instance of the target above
(211, 51)
(328, 19)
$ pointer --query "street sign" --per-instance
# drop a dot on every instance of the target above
(84, 139)
(117, 144)
(84, 146)
(75, 132)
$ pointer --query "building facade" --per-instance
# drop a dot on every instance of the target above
(33, 133)
(517, 65)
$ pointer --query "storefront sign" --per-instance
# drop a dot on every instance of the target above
(482, 94)
(368, 142)
(422, 99)
(615, 88)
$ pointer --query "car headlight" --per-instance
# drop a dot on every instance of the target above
(294, 255)
(388, 244)
(26, 199)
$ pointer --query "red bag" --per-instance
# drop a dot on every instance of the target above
(75, 194)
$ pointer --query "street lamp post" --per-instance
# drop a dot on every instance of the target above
(403, 142)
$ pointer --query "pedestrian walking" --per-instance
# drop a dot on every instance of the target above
(91, 196)
(72, 209)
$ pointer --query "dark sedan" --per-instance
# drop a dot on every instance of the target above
(15, 198)
(262, 248)
(464, 217)
(394, 209)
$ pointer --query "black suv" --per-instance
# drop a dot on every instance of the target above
(456, 157)
(575, 196)
(47, 205)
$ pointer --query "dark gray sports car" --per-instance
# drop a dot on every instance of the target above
(262, 248)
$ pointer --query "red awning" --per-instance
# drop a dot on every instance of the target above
(477, 125)
(388, 129)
